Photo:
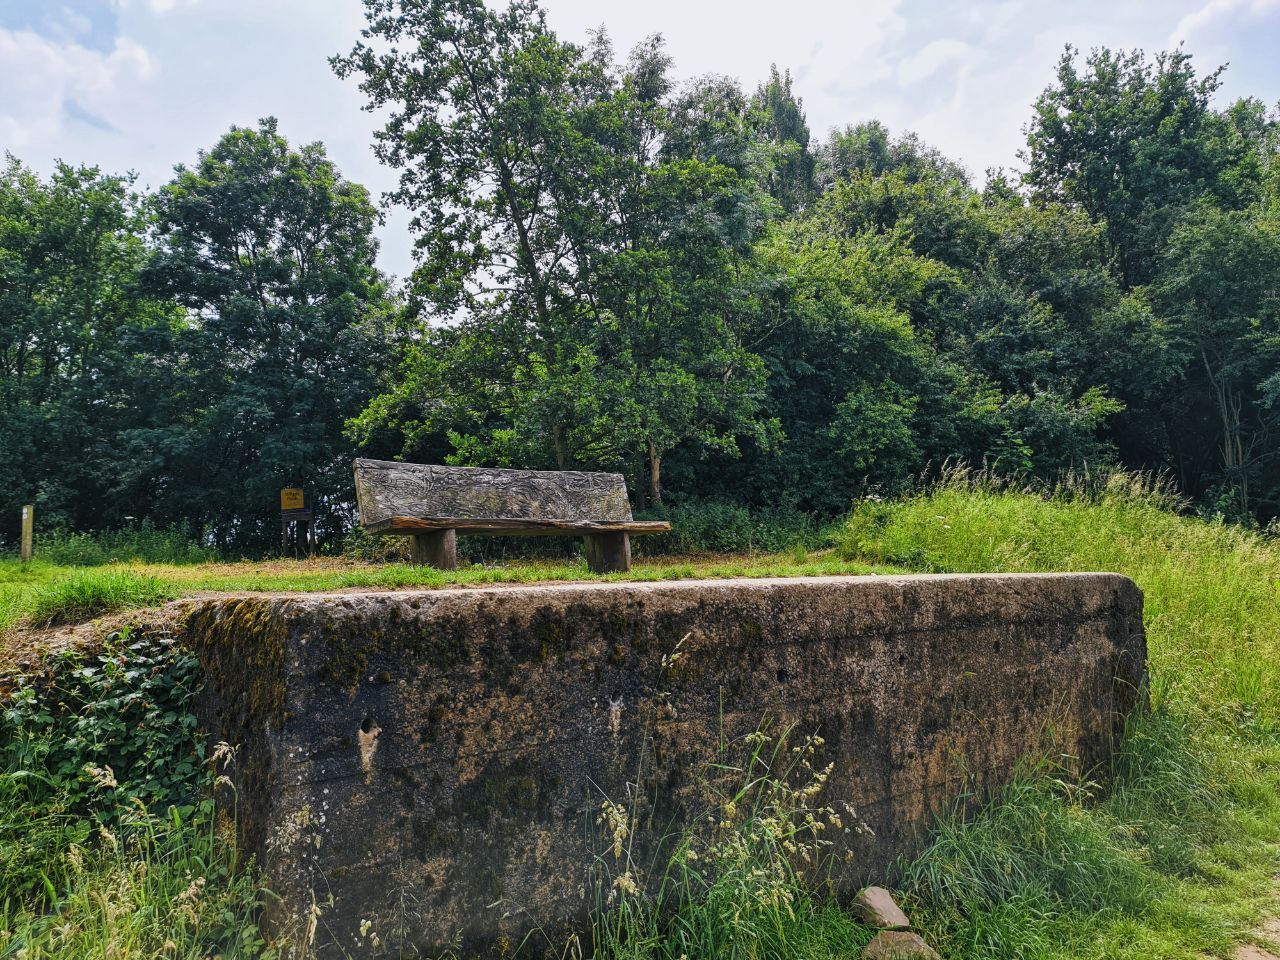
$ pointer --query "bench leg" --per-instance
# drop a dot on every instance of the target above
(608, 552)
(438, 549)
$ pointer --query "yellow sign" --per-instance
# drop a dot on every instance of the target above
(293, 498)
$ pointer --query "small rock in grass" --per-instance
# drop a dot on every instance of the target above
(898, 945)
(875, 907)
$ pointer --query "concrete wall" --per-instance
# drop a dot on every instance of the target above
(433, 762)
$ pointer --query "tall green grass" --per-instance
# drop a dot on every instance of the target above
(162, 887)
(144, 543)
(718, 526)
(84, 594)
(1171, 850)
(1212, 590)
(744, 882)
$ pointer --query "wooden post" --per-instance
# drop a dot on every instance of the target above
(28, 531)
(607, 552)
(438, 548)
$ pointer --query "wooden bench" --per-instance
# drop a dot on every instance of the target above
(432, 503)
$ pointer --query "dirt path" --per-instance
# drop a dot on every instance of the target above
(1267, 935)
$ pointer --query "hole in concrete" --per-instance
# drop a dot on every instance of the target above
(783, 676)
(996, 646)
(368, 739)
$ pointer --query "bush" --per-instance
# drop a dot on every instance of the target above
(718, 526)
(107, 826)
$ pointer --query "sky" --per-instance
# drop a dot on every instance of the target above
(141, 85)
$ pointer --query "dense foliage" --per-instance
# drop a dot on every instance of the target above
(177, 359)
(107, 834)
(675, 281)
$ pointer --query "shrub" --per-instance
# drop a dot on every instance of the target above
(717, 526)
(107, 827)
(95, 734)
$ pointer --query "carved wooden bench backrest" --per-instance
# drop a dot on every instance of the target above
(386, 489)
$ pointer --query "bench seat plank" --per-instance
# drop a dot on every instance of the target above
(532, 528)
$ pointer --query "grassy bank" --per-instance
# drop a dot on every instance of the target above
(1176, 854)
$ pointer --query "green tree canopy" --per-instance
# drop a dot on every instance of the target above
(74, 322)
(270, 251)
(594, 279)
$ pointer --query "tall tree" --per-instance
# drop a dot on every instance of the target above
(870, 148)
(780, 122)
(270, 251)
(1132, 142)
(587, 274)
(73, 324)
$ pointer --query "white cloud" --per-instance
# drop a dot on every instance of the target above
(164, 6)
(156, 6)
(40, 75)
(1215, 10)
(931, 58)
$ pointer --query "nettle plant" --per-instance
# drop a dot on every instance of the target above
(109, 730)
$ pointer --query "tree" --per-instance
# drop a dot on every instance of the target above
(1220, 288)
(73, 325)
(780, 122)
(1132, 143)
(870, 148)
(271, 253)
(589, 274)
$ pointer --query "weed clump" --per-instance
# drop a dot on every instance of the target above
(747, 882)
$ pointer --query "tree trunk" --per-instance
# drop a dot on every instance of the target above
(655, 475)
(1234, 461)
(562, 447)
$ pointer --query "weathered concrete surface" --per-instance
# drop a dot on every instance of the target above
(432, 762)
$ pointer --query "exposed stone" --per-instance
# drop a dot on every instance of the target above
(898, 945)
(430, 765)
(876, 907)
